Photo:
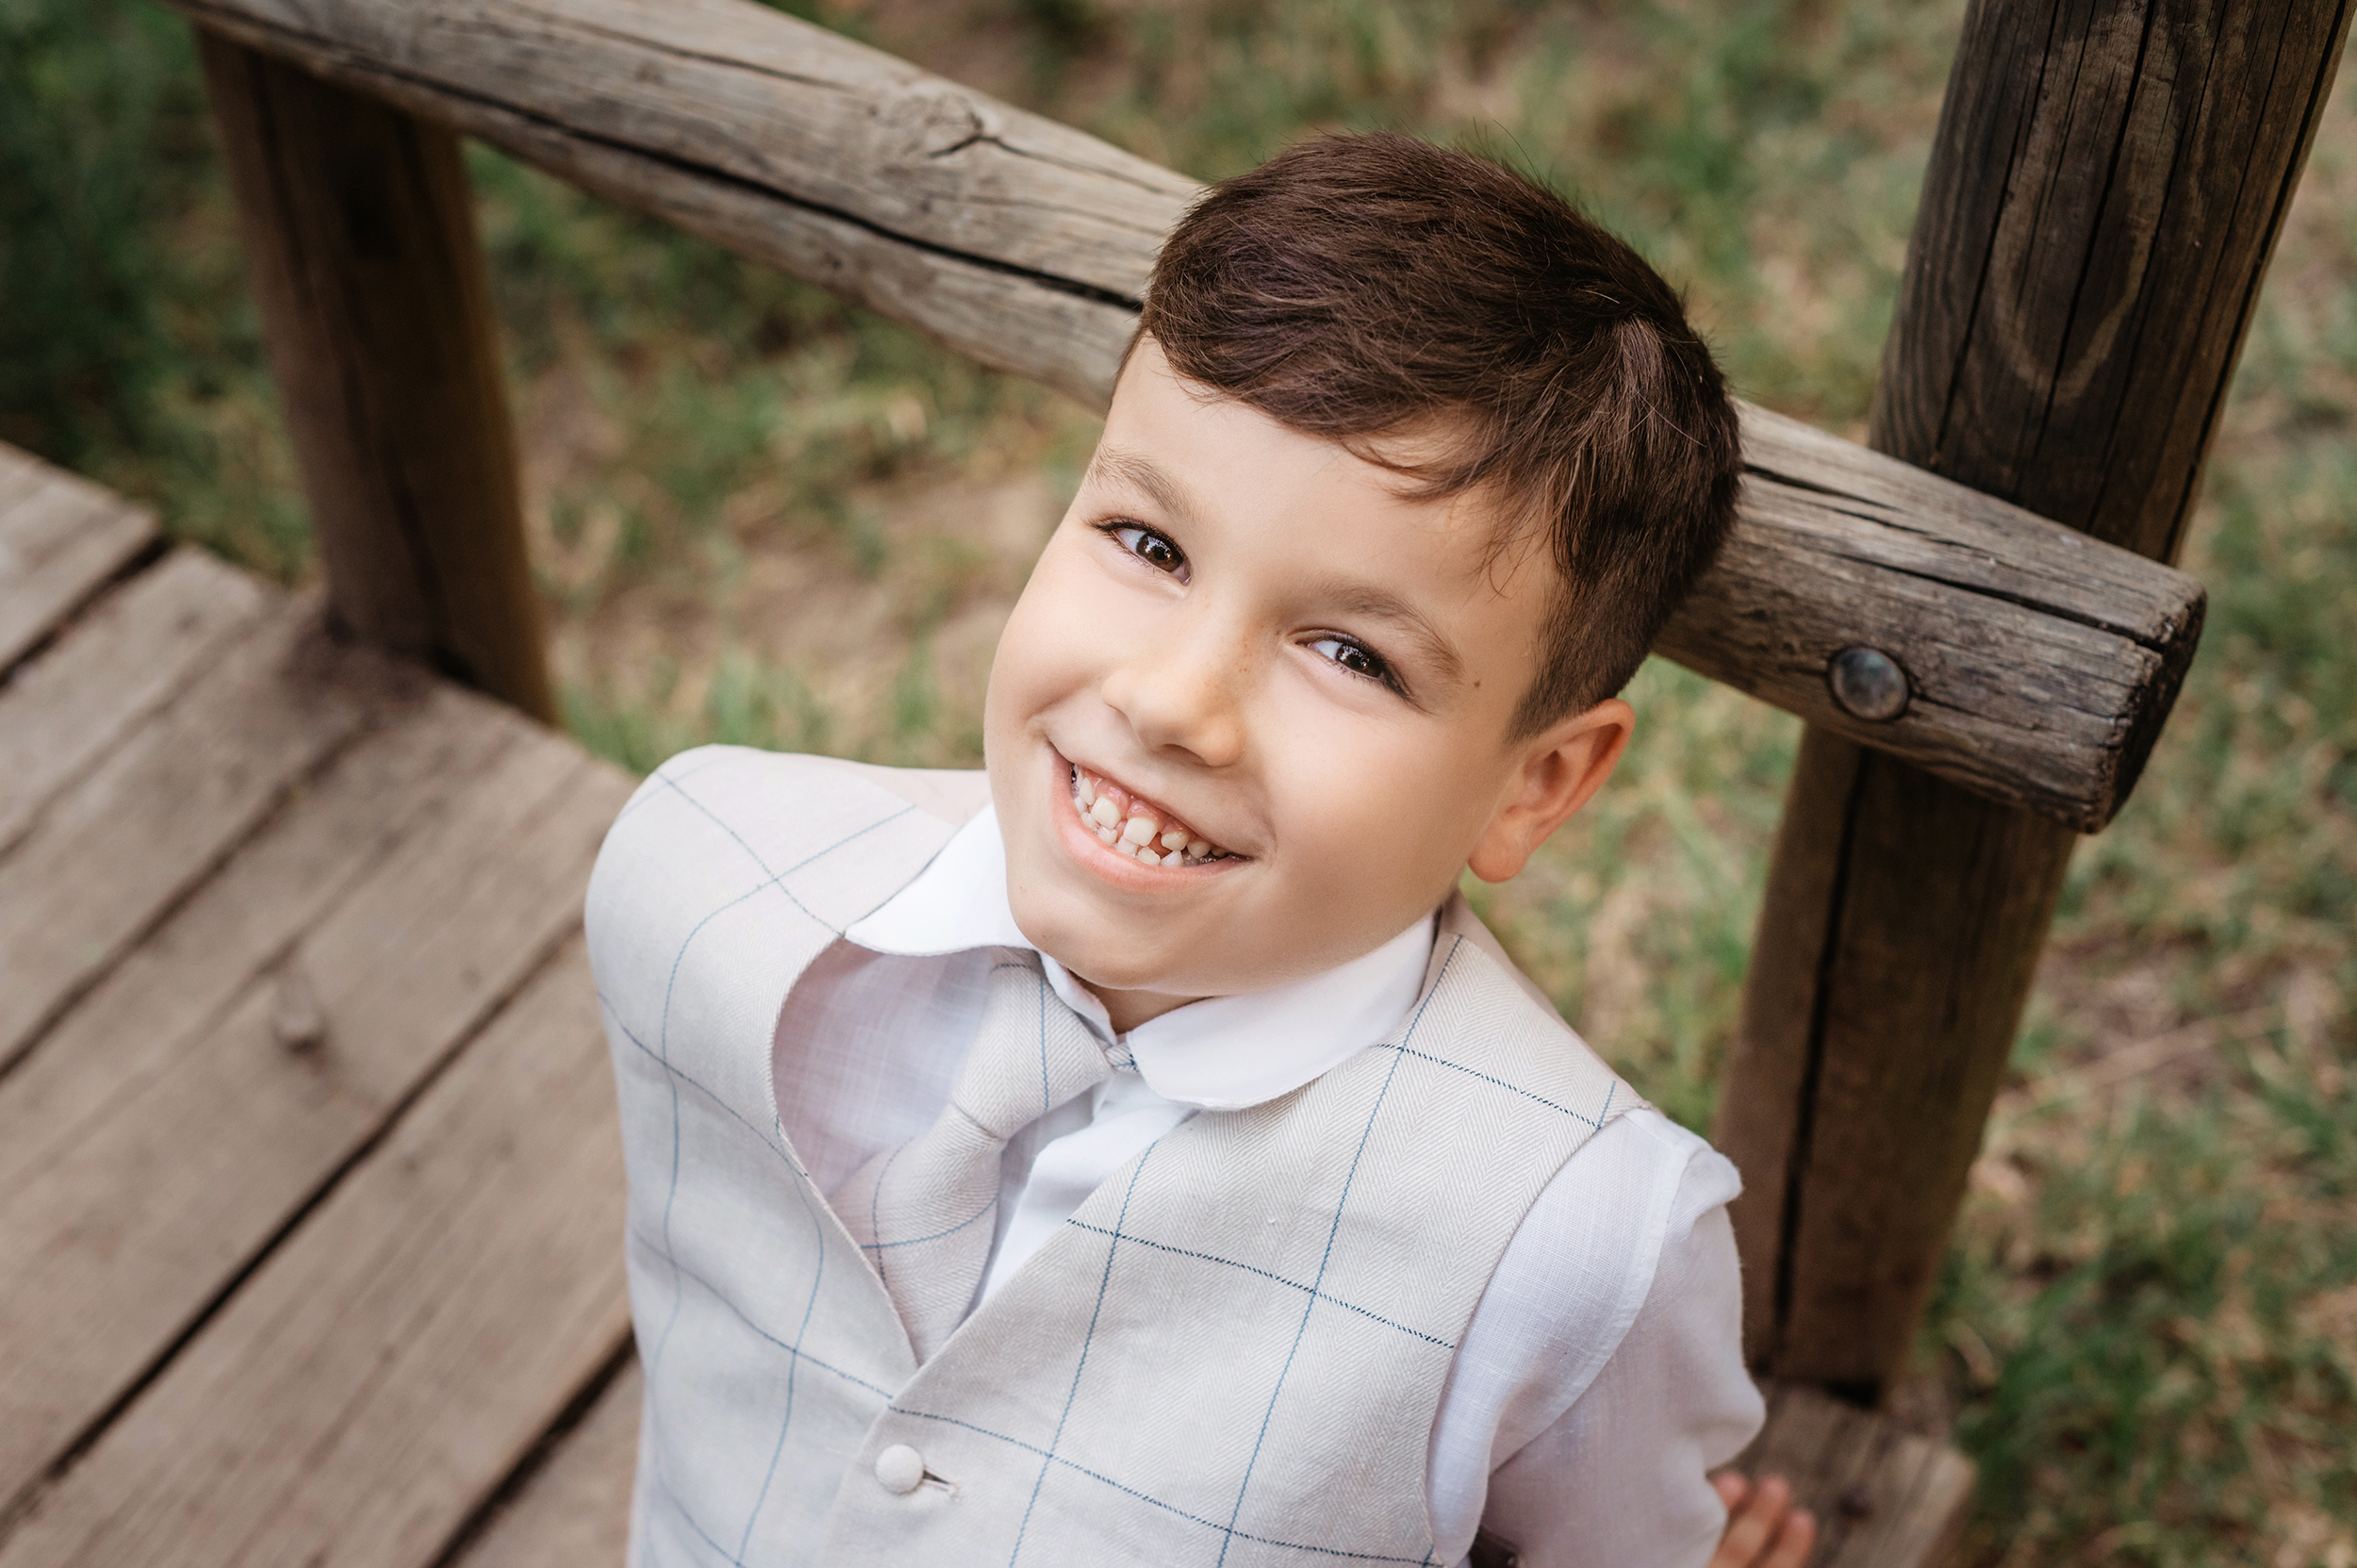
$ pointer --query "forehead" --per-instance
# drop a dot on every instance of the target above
(1200, 457)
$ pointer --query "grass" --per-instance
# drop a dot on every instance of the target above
(759, 516)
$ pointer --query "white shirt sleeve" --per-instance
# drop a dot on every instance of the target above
(1601, 1377)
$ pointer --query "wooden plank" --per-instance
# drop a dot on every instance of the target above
(140, 829)
(62, 537)
(161, 1191)
(2040, 663)
(373, 1382)
(2105, 188)
(375, 801)
(113, 666)
(1026, 245)
(20, 471)
(574, 1508)
(359, 235)
(1884, 1498)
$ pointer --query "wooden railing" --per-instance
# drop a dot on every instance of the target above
(2039, 664)
(2021, 662)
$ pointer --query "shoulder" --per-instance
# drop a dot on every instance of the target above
(1632, 1201)
(784, 801)
(1484, 1015)
(1641, 1182)
(726, 778)
(1640, 1201)
(712, 823)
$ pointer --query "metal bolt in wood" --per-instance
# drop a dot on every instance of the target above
(1869, 684)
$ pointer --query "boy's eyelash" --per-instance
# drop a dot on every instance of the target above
(1114, 527)
(1383, 674)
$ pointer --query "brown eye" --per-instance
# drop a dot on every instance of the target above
(1358, 658)
(1155, 550)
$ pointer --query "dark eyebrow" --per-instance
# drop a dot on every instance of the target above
(1140, 472)
(1360, 598)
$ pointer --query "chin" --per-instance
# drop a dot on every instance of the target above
(1085, 940)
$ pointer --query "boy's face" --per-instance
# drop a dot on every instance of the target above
(1299, 684)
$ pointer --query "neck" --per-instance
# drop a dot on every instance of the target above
(1128, 1009)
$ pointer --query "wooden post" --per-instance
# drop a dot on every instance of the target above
(2105, 187)
(359, 226)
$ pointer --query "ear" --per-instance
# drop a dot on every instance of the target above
(1562, 768)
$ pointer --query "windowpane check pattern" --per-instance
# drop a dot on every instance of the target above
(1231, 1355)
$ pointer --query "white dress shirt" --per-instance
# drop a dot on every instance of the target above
(1601, 1376)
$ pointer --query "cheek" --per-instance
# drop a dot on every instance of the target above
(1038, 652)
(1377, 811)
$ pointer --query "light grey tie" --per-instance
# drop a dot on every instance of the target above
(924, 1213)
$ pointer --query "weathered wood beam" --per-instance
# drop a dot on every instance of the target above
(360, 231)
(1019, 241)
(2038, 665)
(2106, 184)
(2031, 665)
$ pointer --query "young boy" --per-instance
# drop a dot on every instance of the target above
(1140, 1153)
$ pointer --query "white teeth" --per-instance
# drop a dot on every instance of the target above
(1136, 834)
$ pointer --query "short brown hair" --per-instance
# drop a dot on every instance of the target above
(1357, 286)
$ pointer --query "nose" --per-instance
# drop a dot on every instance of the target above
(1185, 688)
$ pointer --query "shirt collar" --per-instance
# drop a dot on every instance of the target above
(1222, 1054)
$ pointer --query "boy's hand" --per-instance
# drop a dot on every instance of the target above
(1764, 1529)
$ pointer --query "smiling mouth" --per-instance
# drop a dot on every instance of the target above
(1138, 827)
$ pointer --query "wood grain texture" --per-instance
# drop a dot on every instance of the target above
(137, 1214)
(359, 234)
(151, 820)
(573, 1509)
(2105, 187)
(62, 537)
(364, 1393)
(1884, 1498)
(818, 154)
(131, 653)
(1026, 245)
(375, 801)
(2113, 176)
(2041, 664)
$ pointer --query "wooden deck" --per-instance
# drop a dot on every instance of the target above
(310, 1193)
(310, 1189)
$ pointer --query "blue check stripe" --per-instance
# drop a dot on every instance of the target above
(1273, 1277)
(987, 1210)
(738, 916)
(1052, 1460)
(776, 879)
(789, 1346)
(1327, 1257)
(1596, 1122)
(1071, 1392)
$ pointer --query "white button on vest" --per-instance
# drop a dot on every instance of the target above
(899, 1468)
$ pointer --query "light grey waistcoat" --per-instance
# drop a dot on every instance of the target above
(1232, 1354)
